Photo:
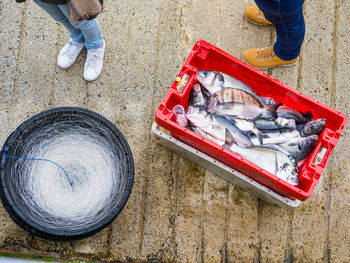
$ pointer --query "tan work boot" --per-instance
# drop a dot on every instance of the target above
(256, 16)
(266, 58)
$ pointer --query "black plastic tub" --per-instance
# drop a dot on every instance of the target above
(13, 147)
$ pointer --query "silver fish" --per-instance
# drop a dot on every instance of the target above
(202, 120)
(197, 97)
(214, 81)
(248, 128)
(312, 128)
(273, 159)
(206, 135)
(240, 104)
(301, 147)
(240, 139)
(249, 112)
(215, 126)
(277, 137)
(289, 113)
(278, 124)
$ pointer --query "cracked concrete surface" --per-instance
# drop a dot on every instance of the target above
(178, 212)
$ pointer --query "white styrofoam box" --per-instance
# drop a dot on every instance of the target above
(222, 170)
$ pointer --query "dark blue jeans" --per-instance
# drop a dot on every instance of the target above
(287, 17)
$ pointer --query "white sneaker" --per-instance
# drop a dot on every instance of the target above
(94, 62)
(69, 53)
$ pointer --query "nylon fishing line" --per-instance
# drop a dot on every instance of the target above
(87, 155)
(34, 159)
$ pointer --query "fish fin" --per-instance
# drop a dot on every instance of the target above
(260, 137)
(272, 109)
(308, 116)
(257, 117)
(229, 140)
(212, 104)
(232, 120)
(295, 143)
(221, 77)
(276, 164)
(300, 128)
(205, 91)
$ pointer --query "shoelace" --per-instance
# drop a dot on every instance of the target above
(71, 50)
(260, 14)
(265, 53)
(93, 57)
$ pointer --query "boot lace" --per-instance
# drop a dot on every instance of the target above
(265, 54)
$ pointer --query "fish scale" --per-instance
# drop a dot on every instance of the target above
(237, 96)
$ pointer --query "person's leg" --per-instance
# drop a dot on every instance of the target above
(287, 17)
(55, 12)
(94, 43)
(90, 29)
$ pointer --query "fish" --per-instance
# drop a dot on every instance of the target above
(272, 158)
(312, 128)
(288, 173)
(289, 113)
(278, 124)
(277, 137)
(240, 138)
(299, 148)
(215, 126)
(248, 128)
(240, 104)
(207, 136)
(267, 101)
(232, 95)
(214, 81)
(197, 97)
(201, 119)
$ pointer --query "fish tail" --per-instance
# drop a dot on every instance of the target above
(272, 109)
(308, 116)
(229, 140)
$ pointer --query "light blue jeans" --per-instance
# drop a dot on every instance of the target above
(87, 32)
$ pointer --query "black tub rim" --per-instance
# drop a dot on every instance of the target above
(47, 233)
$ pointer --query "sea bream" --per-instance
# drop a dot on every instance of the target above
(215, 126)
(240, 104)
(272, 158)
(214, 81)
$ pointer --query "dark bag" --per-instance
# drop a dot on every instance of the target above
(85, 9)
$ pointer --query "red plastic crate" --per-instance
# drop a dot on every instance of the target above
(205, 56)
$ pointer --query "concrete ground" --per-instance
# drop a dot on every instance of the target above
(178, 212)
